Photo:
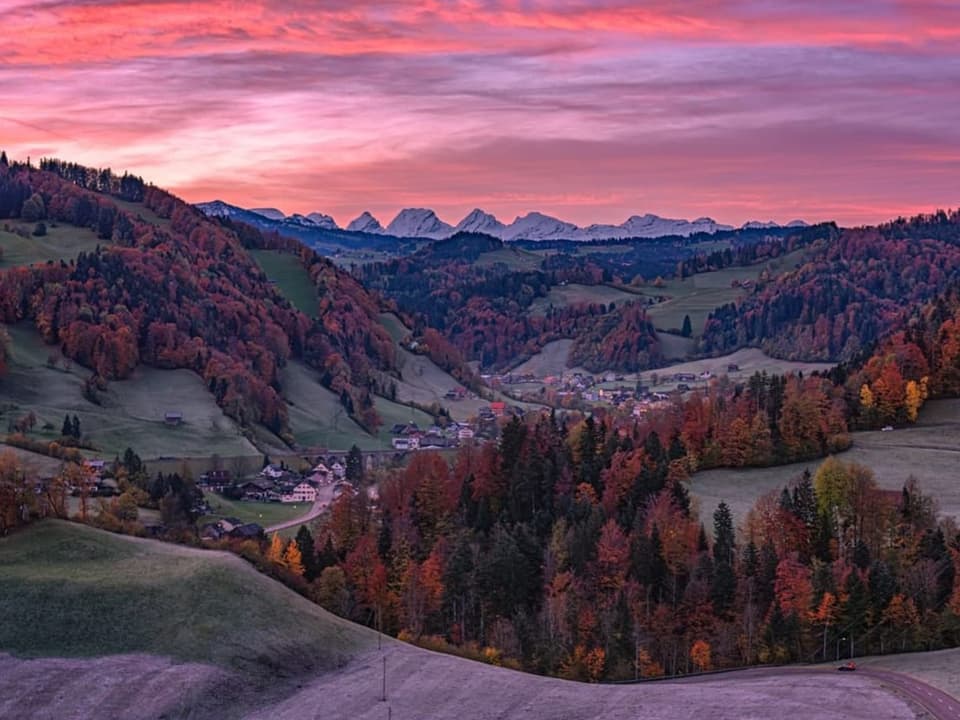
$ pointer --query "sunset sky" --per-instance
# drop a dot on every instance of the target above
(591, 111)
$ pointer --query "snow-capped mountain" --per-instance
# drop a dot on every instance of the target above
(424, 223)
(418, 222)
(366, 223)
(271, 213)
(537, 226)
(479, 221)
(218, 208)
(324, 221)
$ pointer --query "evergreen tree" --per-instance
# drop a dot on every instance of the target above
(3, 158)
(354, 469)
(687, 329)
(67, 429)
(723, 534)
(75, 427)
(308, 553)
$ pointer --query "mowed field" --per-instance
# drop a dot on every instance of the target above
(262, 513)
(131, 412)
(62, 242)
(99, 625)
(929, 451)
(192, 633)
(291, 278)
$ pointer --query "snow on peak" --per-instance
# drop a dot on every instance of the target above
(418, 222)
(323, 221)
(759, 225)
(479, 221)
(270, 213)
(797, 224)
(366, 223)
(537, 226)
(218, 208)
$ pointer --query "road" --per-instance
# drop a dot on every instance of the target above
(938, 704)
(324, 498)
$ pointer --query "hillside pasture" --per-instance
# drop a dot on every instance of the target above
(929, 451)
(514, 258)
(72, 592)
(130, 413)
(577, 294)
(262, 513)
(62, 242)
(317, 419)
(290, 277)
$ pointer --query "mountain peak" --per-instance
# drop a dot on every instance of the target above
(270, 213)
(365, 222)
(418, 222)
(479, 221)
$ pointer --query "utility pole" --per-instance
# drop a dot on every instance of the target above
(383, 692)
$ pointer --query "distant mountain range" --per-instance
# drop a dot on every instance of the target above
(424, 223)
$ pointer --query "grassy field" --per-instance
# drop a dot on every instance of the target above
(61, 242)
(938, 668)
(928, 450)
(69, 591)
(698, 295)
(291, 278)
(131, 413)
(316, 416)
(514, 258)
(552, 360)
(141, 210)
(262, 513)
(574, 294)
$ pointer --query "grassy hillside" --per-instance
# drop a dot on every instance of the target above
(291, 278)
(71, 591)
(131, 411)
(928, 451)
(62, 241)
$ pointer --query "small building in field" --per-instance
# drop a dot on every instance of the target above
(303, 492)
(498, 408)
(173, 418)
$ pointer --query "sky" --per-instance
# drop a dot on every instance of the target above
(589, 110)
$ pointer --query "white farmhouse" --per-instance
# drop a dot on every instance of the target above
(304, 492)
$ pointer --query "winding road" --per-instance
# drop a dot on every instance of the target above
(938, 704)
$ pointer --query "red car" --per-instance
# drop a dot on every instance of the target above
(848, 667)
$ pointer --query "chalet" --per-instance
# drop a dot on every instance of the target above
(250, 531)
(302, 492)
(406, 443)
(321, 470)
(432, 441)
(256, 489)
(683, 387)
(173, 418)
(685, 377)
(227, 524)
(274, 472)
(338, 470)
(216, 479)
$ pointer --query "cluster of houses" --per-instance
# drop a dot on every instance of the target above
(278, 483)
(409, 436)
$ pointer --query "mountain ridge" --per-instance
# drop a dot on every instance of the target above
(424, 223)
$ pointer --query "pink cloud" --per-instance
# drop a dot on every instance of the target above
(588, 110)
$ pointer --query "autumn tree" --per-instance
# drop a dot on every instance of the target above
(292, 558)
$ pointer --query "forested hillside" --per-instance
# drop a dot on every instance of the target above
(849, 293)
(183, 293)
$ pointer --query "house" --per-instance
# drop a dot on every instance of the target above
(432, 442)
(733, 367)
(302, 492)
(465, 433)
(338, 470)
(173, 418)
(250, 531)
(398, 429)
(498, 408)
(320, 470)
(683, 387)
(256, 489)
(404, 444)
(274, 472)
(228, 524)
